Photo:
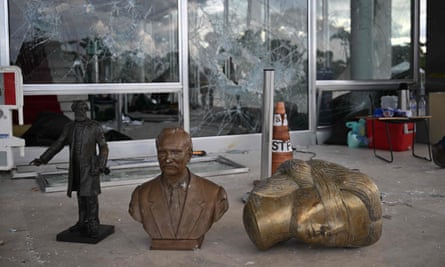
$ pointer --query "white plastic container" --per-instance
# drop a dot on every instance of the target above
(388, 103)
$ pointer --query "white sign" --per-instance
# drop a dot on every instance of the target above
(281, 146)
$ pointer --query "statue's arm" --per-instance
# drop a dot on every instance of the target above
(53, 149)
(134, 209)
(222, 204)
(103, 148)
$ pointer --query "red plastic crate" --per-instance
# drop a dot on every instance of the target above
(401, 134)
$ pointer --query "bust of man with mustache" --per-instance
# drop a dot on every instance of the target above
(177, 207)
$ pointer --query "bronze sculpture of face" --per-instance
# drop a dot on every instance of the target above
(316, 202)
(80, 109)
(174, 153)
(312, 224)
(330, 220)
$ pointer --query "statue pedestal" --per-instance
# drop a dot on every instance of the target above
(176, 244)
(78, 237)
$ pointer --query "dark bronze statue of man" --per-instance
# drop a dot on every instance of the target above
(82, 136)
(177, 207)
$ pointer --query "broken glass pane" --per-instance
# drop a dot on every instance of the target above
(230, 45)
(94, 41)
(135, 171)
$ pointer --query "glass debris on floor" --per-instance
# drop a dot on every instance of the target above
(138, 170)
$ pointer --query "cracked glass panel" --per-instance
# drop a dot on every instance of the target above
(364, 40)
(94, 41)
(133, 171)
(230, 44)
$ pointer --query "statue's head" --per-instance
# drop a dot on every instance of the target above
(316, 202)
(80, 109)
(174, 147)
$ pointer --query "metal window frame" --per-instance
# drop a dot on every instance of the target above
(367, 85)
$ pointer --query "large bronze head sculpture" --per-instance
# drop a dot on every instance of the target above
(316, 202)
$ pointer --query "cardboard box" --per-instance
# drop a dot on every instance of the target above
(437, 121)
(401, 135)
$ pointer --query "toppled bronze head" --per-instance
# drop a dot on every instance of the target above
(316, 202)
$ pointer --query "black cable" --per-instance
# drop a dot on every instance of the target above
(305, 152)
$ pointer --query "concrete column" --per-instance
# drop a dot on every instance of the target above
(362, 17)
(382, 42)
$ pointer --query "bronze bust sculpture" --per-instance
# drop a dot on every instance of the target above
(85, 165)
(316, 202)
(177, 207)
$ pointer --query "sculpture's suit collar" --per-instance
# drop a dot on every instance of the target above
(193, 208)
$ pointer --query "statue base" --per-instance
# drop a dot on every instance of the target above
(176, 244)
(79, 237)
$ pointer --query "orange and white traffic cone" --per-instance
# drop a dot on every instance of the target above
(281, 144)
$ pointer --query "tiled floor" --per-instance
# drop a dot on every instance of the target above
(413, 195)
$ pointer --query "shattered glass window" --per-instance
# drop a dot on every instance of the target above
(230, 44)
(94, 41)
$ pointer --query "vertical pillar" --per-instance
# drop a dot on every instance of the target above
(382, 42)
(266, 136)
(362, 17)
